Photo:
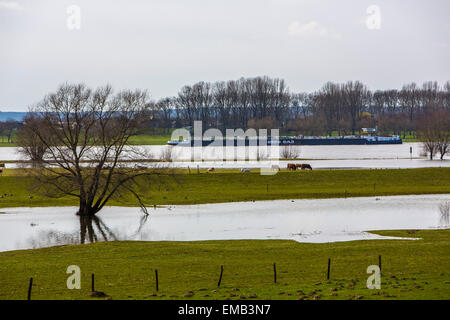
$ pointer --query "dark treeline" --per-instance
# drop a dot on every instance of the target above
(264, 102)
(7, 130)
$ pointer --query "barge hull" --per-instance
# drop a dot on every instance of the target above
(287, 142)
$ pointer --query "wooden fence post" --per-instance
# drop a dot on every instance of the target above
(379, 262)
(328, 273)
(275, 273)
(156, 279)
(30, 286)
(220, 277)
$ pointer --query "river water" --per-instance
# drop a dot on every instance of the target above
(319, 157)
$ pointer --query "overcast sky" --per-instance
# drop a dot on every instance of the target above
(161, 45)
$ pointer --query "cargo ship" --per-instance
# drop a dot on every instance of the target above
(369, 137)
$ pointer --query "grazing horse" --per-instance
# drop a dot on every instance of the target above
(2, 165)
(244, 170)
(291, 166)
(304, 166)
(210, 170)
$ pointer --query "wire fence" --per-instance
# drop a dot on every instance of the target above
(33, 287)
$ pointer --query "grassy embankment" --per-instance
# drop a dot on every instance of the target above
(125, 270)
(231, 185)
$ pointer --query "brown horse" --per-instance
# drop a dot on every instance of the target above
(304, 166)
(291, 166)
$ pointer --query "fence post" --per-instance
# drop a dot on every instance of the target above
(275, 273)
(379, 262)
(156, 279)
(30, 286)
(220, 277)
(92, 283)
(328, 273)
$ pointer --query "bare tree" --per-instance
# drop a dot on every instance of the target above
(356, 96)
(442, 123)
(168, 154)
(31, 147)
(410, 99)
(165, 108)
(328, 105)
(289, 152)
(434, 131)
(86, 136)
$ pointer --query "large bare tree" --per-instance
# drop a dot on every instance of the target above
(86, 135)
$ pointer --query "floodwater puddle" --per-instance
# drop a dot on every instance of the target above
(314, 221)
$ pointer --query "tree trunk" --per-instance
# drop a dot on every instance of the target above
(85, 209)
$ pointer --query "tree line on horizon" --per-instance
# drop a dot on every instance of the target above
(264, 102)
(267, 103)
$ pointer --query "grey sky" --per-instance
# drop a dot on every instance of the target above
(161, 45)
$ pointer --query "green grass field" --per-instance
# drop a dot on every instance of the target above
(226, 186)
(149, 140)
(411, 269)
(135, 140)
(6, 144)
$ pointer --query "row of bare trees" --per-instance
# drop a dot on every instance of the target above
(266, 102)
(263, 102)
(225, 104)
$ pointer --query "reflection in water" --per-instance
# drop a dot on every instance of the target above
(142, 222)
(52, 238)
(444, 209)
(87, 224)
(92, 229)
